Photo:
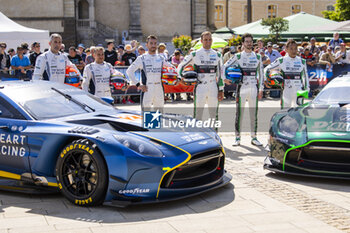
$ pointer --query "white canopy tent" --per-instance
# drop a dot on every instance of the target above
(13, 34)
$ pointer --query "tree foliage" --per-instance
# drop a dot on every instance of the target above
(276, 27)
(235, 41)
(182, 42)
(341, 12)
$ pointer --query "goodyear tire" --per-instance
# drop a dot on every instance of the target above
(82, 173)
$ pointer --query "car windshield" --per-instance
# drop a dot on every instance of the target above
(333, 95)
(51, 104)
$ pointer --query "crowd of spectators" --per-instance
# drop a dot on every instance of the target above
(22, 60)
(314, 53)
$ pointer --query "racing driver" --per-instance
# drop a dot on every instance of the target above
(150, 84)
(209, 89)
(249, 89)
(53, 62)
(97, 74)
(294, 72)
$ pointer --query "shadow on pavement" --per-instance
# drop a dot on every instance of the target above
(55, 206)
(333, 184)
(247, 151)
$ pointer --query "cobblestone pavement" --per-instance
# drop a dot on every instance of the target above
(255, 201)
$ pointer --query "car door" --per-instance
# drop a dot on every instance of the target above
(14, 149)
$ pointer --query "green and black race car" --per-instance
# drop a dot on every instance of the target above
(313, 139)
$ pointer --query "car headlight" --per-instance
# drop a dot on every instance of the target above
(139, 146)
(288, 126)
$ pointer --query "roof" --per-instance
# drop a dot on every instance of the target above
(297, 26)
(13, 34)
(7, 25)
(334, 26)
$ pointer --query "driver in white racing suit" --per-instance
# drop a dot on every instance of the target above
(151, 65)
(294, 72)
(209, 89)
(251, 87)
(97, 75)
(53, 62)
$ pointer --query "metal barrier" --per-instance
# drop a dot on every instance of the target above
(319, 76)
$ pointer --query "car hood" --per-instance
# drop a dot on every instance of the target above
(327, 121)
(132, 121)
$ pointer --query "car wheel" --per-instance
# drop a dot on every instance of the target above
(82, 173)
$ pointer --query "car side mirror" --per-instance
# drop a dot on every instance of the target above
(108, 100)
(301, 95)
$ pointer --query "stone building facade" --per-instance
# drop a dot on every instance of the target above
(233, 13)
(95, 21)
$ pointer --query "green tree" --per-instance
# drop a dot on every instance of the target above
(235, 41)
(182, 42)
(276, 27)
(341, 12)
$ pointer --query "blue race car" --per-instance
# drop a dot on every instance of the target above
(54, 137)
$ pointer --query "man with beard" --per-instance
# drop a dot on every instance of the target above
(294, 73)
(250, 88)
(51, 65)
(150, 84)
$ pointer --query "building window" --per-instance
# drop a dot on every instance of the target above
(271, 11)
(219, 13)
(330, 8)
(296, 9)
(83, 9)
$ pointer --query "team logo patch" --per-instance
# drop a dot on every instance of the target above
(152, 120)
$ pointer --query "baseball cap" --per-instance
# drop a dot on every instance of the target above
(161, 45)
(35, 44)
(128, 47)
(269, 44)
(81, 46)
(275, 46)
(313, 38)
(121, 46)
(24, 46)
(343, 44)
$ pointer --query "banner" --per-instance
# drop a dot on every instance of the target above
(320, 75)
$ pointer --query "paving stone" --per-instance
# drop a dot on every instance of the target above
(136, 228)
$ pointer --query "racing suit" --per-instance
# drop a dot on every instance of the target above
(295, 76)
(151, 66)
(207, 64)
(53, 64)
(96, 79)
(252, 82)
